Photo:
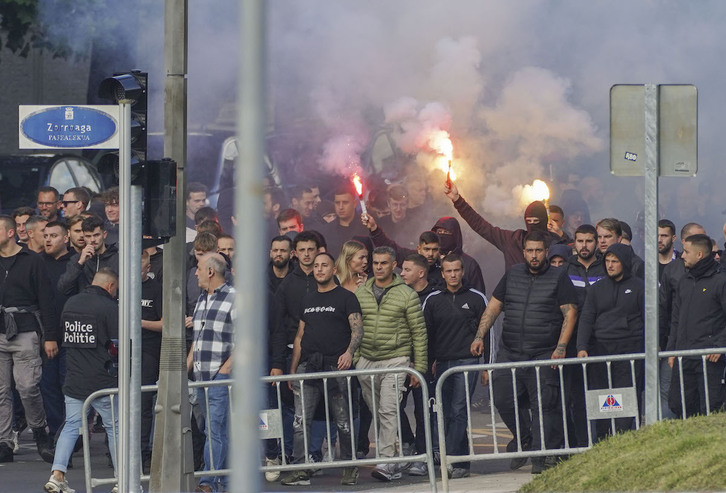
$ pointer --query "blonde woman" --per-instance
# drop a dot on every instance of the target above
(352, 264)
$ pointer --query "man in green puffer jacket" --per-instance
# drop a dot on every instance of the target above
(393, 328)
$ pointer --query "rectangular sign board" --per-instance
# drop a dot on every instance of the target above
(619, 402)
(68, 127)
(677, 130)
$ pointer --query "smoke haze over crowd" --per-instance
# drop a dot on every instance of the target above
(522, 87)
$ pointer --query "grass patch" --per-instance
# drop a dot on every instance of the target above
(671, 455)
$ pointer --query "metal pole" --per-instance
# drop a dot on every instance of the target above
(652, 390)
(133, 280)
(172, 466)
(124, 356)
(250, 301)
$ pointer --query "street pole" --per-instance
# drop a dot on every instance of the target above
(172, 465)
(129, 359)
(652, 381)
(250, 300)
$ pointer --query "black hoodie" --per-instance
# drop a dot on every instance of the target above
(452, 242)
(77, 276)
(613, 310)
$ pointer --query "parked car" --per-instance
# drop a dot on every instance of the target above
(22, 175)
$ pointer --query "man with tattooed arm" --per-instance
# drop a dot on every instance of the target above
(540, 311)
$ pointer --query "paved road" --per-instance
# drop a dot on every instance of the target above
(29, 473)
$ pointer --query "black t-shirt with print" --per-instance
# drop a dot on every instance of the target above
(327, 330)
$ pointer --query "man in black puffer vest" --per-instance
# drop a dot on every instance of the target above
(540, 306)
(611, 322)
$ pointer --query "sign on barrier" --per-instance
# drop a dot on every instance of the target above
(270, 423)
(620, 402)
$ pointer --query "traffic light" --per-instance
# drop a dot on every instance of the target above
(130, 87)
(159, 196)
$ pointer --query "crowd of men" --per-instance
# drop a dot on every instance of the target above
(59, 325)
(380, 290)
(570, 289)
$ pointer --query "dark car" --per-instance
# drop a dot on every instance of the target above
(22, 175)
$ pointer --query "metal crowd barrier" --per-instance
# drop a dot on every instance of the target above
(349, 375)
(427, 457)
(633, 409)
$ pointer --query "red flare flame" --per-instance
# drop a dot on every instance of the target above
(358, 185)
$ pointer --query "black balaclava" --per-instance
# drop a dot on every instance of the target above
(536, 209)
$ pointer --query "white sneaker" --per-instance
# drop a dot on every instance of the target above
(418, 469)
(55, 486)
(387, 472)
(272, 476)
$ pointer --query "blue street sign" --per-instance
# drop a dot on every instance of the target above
(68, 127)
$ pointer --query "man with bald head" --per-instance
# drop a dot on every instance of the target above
(211, 359)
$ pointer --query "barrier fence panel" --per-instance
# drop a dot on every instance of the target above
(616, 407)
(372, 375)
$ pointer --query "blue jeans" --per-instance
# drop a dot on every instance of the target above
(216, 431)
(453, 394)
(69, 435)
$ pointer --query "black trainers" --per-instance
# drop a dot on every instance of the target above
(296, 478)
(6, 453)
(541, 464)
(42, 441)
(518, 462)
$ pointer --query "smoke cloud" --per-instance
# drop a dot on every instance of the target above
(521, 87)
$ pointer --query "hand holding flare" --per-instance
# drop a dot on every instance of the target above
(359, 190)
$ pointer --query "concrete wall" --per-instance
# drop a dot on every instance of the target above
(36, 79)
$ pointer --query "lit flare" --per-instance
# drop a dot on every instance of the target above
(440, 142)
(359, 190)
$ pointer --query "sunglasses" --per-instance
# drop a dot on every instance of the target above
(66, 202)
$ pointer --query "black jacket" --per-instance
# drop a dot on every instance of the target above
(583, 278)
(56, 268)
(613, 310)
(289, 298)
(699, 308)
(452, 320)
(509, 242)
(672, 275)
(90, 321)
(26, 284)
(77, 276)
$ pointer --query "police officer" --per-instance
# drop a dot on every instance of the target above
(89, 323)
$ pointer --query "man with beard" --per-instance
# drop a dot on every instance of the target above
(611, 322)
(540, 307)
(510, 243)
(330, 332)
(95, 255)
(288, 300)
(584, 269)
(280, 261)
(699, 322)
(666, 243)
(56, 257)
(672, 275)
(428, 246)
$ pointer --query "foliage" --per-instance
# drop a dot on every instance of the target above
(672, 455)
(64, 28)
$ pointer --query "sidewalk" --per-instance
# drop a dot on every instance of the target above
(501, 482)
